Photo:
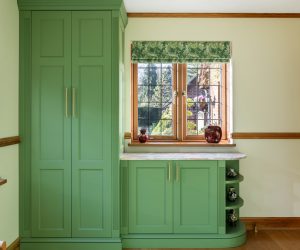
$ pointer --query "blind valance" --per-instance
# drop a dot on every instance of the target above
(180, 52)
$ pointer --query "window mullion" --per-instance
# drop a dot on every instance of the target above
(175, 101)
(181, 106)
(135, 102)
(224, 101)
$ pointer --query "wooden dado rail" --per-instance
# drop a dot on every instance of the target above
(213, 15)
(3, 143)
(9, 141)
(2, 182)
(237, 135)
(2, 245)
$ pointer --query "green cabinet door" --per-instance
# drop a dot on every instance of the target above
(150, 197)
(196, 197)
(91, 124)
(50, 126)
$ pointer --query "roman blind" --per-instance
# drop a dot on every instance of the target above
(180, 51)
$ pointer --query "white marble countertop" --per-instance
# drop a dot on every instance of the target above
(181, 156)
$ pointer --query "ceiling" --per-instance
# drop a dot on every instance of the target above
(213, 6)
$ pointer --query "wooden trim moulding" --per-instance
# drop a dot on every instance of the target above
(15, 245)
(127, 135)
(213, 15)
(180, 144)
(271, 223)
(9, 141)
(2, 182)
(2, 245)
(263, 135)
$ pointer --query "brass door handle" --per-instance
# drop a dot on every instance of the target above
(169, 171)
(73, 102)
(177, 172)
(66, 103)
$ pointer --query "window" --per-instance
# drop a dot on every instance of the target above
(179, 88)
(154, 100)
(175, 102)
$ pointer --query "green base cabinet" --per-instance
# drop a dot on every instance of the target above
(179, 204)
(150, 205)
(195, 189)
(180, 241)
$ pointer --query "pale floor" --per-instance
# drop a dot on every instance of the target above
(262, 240)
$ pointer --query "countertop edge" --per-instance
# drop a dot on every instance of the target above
(181, 156)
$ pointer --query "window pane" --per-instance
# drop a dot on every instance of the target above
(155, 95)
(215, 76)
(204, 95)
(167, 75)
(166, 92)
(143, 94)
(142, 75)
(155, 92)
(191, 127)
(167, 127)
(143, 113)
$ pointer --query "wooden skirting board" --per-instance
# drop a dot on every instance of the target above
(15, 245)
(271, 223)
(9, 141)
(213, 15)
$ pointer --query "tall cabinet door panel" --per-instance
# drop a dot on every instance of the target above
(91, 124)
(195, 197)
(150, 197)
(51, 126)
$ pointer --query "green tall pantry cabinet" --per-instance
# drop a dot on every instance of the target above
(70, 68)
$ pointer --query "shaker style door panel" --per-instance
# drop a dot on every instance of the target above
(196, 197)
(150, 197)
(51, 126)
(91, 124)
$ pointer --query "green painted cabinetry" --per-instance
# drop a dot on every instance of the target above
(71, 124)
(91, 124)
(195, 192)
(178, 204)
(172, 199)
(51, 129)
(70, 70)
(150, 197)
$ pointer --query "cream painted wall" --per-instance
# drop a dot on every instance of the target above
(9, 61)
(266, 89)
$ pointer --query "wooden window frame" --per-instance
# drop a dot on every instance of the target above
(223, 85)
(179, 107)
(134, 108)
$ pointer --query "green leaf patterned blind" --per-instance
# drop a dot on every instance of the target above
(180, 52)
